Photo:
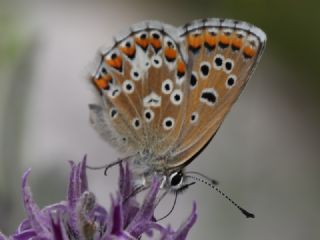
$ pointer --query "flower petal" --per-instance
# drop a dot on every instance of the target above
(58, 227)
(145, 213)
(183, 230)
(38, 222)
(2, 236)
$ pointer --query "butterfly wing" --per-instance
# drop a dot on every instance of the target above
(222, 55)
(142, 81)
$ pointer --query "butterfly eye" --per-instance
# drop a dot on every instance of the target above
(175, 179)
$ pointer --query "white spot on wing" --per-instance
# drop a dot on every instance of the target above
(128, 86)
(216, 58)
(168, 123)
(152, 100)
(135, 74)
(253, 41)
(194, 117)
(203, 65)
(213, 30)
(156, 61)
(228, 65)
(169, 42)
(241, 33)
(113, 113)
(148, 115)
(114, 91)
(180, 80)
(176, 97)
(136, 123)
(231, 81)
(227, 31)
(167, 86)
(209, 96)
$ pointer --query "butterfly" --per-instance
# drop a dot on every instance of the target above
(164, 91)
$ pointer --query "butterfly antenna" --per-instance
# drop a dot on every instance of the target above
(177, 192)
(245, 212)
(212, 181)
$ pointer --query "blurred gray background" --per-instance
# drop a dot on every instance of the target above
(265, 154)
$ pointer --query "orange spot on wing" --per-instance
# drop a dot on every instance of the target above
(115, 62)
(181, 67)
(249, 52)
(156, 43)
(195, 41)
(142, 42)
(103, 82)
(210, 40)
(170, 53)
(236, 43)
(129, 51)
(225, 40)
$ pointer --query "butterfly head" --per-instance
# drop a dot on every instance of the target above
(145, 167)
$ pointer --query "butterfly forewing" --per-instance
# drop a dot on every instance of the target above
(222, 55)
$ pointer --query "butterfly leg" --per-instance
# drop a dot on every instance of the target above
(109, 165)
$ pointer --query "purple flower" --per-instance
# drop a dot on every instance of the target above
(81, 217)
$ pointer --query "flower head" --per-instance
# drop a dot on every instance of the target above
(81, 217)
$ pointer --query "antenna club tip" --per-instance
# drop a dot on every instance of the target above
(247, 214)
(251, 216)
